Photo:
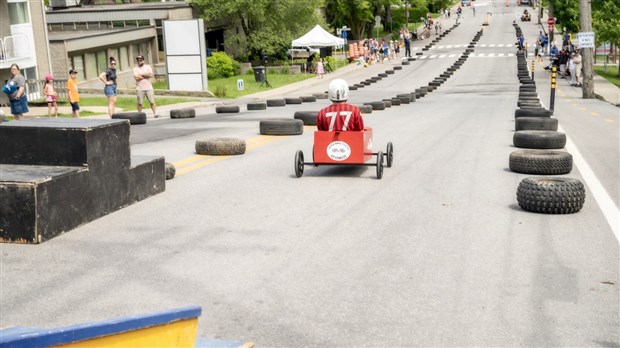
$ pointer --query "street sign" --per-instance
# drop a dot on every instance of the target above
(240, 85)
(586, 40)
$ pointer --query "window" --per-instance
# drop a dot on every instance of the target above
(77, 63)
(102, 61)
(91, 66)
(18, 13)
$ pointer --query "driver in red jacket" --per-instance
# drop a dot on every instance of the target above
(340, 116)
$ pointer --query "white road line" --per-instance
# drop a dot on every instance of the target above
(442, 56)
(500, 54)
(491, 54)
(422, 57)
(433, 56)
(483, 45)
(607, 205)
(452, 56)
(492, 45)
(477, 55)
(449, 46)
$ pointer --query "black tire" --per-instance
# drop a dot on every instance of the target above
(170, 171)
(389, 151)
(353, 88)
(308, 98)
(555, 195)
(292, 100)
(257, 106)
(383, 75)
(307, 117)
(389, 72)
(398, 68)
(281, 127)
(405, 62)
(387, 102)
(541, 162)
(183, 113)
(395, 101)
(536, 123)
(320, 95)
(539, 139)
(299, 164)
(276, 102)
(133, 117)
(379, 165)
(365, 109)
(227, 109)
(376, 105)
(220, 147)
(534, 112)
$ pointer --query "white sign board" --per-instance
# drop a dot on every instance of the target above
(586, 40)
(240, 84)
(186, 55)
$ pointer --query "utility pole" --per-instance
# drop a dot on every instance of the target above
(586, 53)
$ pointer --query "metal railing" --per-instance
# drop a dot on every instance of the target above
(14, 47)
(35, 94)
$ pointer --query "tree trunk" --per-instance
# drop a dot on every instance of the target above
(586, 53)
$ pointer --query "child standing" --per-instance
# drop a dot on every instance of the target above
(319, 68)
(74, 96)
(50, 95)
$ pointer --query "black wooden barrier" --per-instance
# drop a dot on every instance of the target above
(57, 174)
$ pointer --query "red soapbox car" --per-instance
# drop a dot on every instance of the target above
(344, 148)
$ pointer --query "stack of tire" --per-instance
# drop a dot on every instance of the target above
(536, 133)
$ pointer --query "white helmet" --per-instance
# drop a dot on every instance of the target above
(338, 90)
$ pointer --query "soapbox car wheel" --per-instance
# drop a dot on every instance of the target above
(299, 164)
(389, 154)
(380, 165)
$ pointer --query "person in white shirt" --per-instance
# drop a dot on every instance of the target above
(144, 88)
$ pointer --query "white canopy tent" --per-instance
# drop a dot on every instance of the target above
(318, 37)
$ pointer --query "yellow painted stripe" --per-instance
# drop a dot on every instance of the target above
(583, 109)
(195, 162)
(595, 113)
(177, 334)
(609, 120)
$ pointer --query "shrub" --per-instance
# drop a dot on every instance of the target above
(285, 70)
(250, 72)
(220, 91)
(220, 65)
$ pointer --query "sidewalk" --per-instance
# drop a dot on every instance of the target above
(305, 87)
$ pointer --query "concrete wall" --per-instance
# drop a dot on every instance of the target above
(37, 15)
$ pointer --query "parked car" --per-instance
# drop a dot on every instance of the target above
(465, 2)
(301, 52)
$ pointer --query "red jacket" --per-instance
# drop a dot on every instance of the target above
(340, 117)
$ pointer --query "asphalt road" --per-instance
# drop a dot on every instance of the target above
(437, 253)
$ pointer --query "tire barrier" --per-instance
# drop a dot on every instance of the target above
(220, 147)
(292, 100)
(276, 102)
(539, 139)
(133, 117)
(281, 127)
(376, 105)
(541, 162)
(534, 112)
(227, 109)
(554, 195)
(395, 101)
(365, 109)
(183, 113)
(308, 99)
(307, 117)
(257, 106)
(387, 102)
(320, 95)
(536, 123)
(171, 171)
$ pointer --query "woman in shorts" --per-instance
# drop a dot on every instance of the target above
(109, 78)
(18, 99)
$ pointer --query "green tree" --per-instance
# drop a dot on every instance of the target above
(567, 13)
(268, 26)
(606, 22)
(355, 14)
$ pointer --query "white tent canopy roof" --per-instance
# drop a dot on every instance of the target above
(318, 37)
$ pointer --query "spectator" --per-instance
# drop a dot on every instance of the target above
(50, 95)
(109, 78)
(575, 74)
(309, 67)
(74, 96)
(18, 99)
(319, 68)
(407, 45)
(143, 73)
(339, 116)
(563, 62)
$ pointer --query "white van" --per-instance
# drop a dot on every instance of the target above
(301, 52)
